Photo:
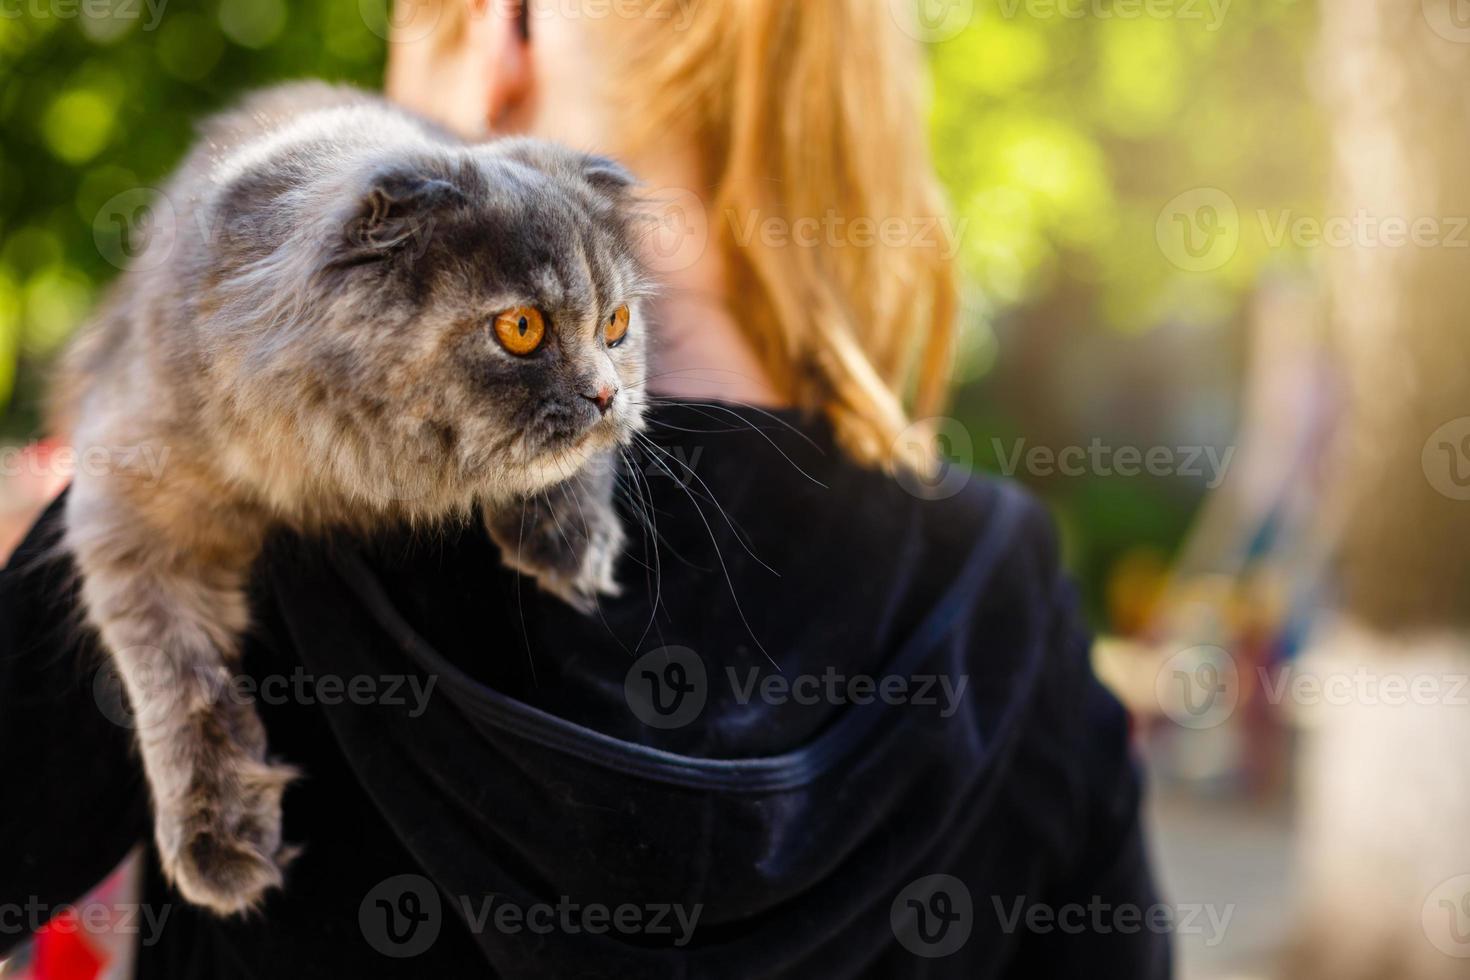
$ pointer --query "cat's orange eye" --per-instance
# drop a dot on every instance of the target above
(520, 330)
(617, 327)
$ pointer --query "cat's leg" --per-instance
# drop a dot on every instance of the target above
(567, 537)
(170, 607)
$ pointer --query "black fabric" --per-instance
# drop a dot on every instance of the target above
(805, 834)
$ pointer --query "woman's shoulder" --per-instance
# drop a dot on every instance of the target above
(782, 478)
(876, 557)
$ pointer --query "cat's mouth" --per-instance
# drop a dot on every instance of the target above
(561, 450)
(566, 456)
(553, 466)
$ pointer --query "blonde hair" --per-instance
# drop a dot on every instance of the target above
(802, 111)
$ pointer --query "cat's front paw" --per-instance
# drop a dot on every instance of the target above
(567, 538)
(222, 846)
(577, 566)
(592, 577)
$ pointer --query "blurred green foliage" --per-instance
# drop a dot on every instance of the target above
(1075, 136)
(99, 97)
(1062, 138)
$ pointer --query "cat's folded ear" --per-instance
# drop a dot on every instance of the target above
(610, 177)
(399, 209)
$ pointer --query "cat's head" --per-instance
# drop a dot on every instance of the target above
(473, 325)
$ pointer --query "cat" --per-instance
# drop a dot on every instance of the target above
(352, 318)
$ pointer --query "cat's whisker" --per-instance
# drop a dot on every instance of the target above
(551, 509)
(587, 531)
(738, 531)
(657, 585)
(633, 491)
(716, 406)
(694, 432)
(521, 608)
(719, 556)
(586, 528)
(698, 374)
(652, 509)
(762, 432)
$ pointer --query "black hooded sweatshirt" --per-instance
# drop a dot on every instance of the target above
(836, 726)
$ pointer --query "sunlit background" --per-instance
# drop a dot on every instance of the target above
(1152, 203)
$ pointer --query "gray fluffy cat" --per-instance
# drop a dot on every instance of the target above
(355, 319)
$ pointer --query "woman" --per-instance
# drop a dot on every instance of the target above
(841, 723)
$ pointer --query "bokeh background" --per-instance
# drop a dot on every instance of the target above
(1177, 219)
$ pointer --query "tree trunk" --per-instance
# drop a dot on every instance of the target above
(1385, 792)
(1398, 99)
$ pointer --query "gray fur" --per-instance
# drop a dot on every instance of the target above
(314, 347)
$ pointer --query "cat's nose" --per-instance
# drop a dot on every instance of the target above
(602, 398)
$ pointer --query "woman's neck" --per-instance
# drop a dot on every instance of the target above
(700, 351)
